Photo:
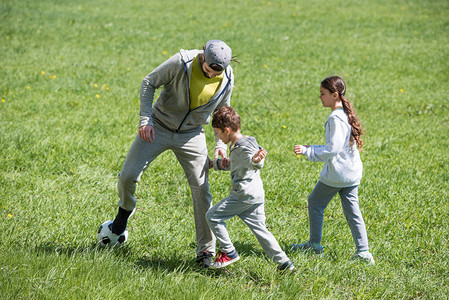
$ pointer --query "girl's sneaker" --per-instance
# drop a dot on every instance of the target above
(308, 246)
(364, 256)
(225, 259)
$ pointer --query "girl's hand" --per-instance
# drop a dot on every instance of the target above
(300, 149)
(259, 155)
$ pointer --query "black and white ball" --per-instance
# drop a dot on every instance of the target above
(105, 236)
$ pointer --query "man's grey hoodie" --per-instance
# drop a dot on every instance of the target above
(172, 108)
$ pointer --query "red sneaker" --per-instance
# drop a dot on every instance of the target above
(225, 259)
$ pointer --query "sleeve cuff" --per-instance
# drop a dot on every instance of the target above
(145, 121)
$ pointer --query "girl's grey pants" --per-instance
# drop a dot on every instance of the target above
(318, 200)
(254, 216)
(191, 151)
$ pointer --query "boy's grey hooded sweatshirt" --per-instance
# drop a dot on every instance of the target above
(247, 185)
(172, 108)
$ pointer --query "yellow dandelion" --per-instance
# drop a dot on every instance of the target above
(298, 156)
(98, 96)
(283, 126)
(49, 76)
(28, 87)
(9, 216)
(265, 66)
(3, 100)
(129, 69)
(43, 72)
(95, 85)
(54, 76)
(164, 52)
(401, 90)
(104, 85)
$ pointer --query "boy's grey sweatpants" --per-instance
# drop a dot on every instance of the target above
(254, 216)
(320, 197)
(191, 151)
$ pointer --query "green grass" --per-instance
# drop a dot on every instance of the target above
(62, 146)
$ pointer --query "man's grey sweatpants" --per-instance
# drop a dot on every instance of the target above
(254, 216)
(191, 151)
(320, 197)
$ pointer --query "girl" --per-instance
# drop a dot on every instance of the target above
(342, 170)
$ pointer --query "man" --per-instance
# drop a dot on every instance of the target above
(195, 84)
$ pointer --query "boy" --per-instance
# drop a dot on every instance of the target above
(246, 199)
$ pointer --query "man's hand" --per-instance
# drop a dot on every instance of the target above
(146, 133)
(259, 155)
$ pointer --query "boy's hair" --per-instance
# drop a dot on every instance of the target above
(336, 84)
(226, 117)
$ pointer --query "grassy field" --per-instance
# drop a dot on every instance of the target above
(70, 78)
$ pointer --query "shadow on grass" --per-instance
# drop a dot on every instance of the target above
(171, 263)
(178, 263)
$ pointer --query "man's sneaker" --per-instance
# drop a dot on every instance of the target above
(225, 259)
(121, 221)
(287, 266)
(204, 259)
(308, 246)
(364, 256)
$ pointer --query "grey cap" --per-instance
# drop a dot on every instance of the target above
(217, 52)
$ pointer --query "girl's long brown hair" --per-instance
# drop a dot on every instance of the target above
(336, 84)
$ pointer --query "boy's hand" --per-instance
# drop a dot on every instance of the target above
(300, 149)
(259, 155)
(211, 163)
(224, 162)
(219, 152)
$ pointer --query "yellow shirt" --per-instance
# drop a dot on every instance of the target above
(202, 89)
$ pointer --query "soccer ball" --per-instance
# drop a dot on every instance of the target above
(105, 236)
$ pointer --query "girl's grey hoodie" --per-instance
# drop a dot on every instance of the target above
(172, 108)
(342, 164)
